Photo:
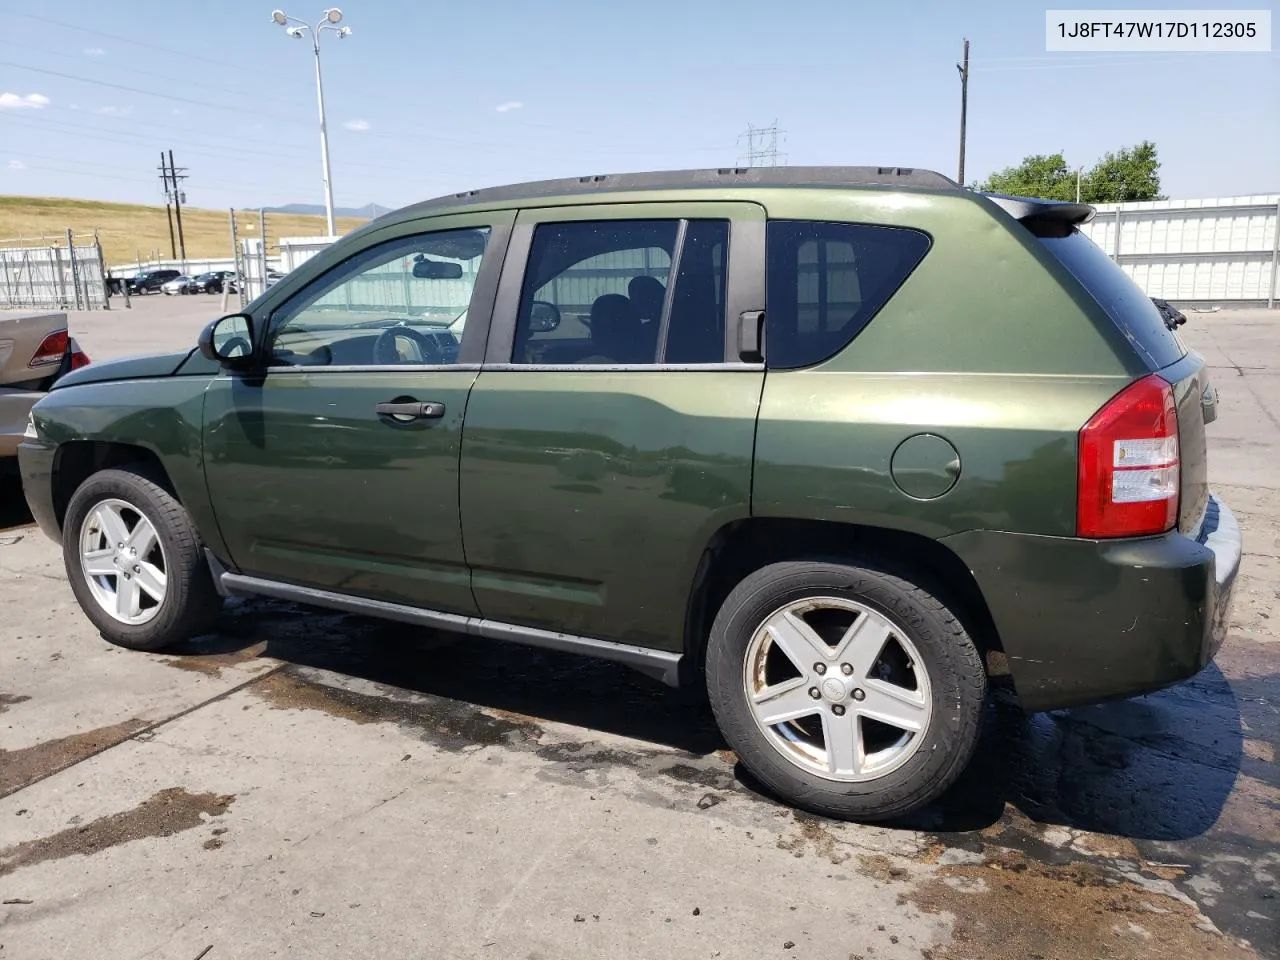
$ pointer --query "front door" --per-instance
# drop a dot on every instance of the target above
(610, 432)
(338, 469)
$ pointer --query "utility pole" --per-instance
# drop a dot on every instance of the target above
(168, 213)
(170, 176)
(762, 145)
(964, 105)
(177, 204)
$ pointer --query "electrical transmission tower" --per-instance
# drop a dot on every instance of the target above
(762, 145)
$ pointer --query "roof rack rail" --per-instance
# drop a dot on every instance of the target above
(908, 177)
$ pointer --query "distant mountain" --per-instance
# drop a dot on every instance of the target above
(370, 210)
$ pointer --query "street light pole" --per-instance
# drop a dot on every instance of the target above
(327, 22)
(324, 138)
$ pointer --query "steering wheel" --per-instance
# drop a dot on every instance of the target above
(385, 352)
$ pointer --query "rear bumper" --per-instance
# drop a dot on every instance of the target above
(35, 462)
(15, 407)
(1082, 621)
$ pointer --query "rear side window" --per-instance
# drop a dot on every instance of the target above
(1129, 308)
(827, 280)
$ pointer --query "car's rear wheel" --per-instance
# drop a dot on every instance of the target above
(135, 562)
(846, 690)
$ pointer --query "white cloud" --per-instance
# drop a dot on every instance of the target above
(94, 52)
(15, 101)
(509, 106)
(358, 125)
(177, 111)
(17, 165)
(114, 111)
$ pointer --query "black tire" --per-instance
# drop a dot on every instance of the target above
(191, 602)
(957, 681)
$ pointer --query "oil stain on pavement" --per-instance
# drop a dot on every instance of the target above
(161, 815)
(20, 768)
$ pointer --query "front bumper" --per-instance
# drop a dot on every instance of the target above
(1082, 621)
(35, 463)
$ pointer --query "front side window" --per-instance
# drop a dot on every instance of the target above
(404, 301)
(827, 280)
(597, 293)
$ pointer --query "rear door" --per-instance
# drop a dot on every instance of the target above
(610, 432)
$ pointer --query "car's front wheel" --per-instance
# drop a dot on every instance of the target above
(846, 690)
(135, 562)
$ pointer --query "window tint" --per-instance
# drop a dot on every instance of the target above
(403, 301)
(827, 280)
(597, 293)
(1122, 299)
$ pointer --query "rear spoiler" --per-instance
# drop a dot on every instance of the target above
(1044, 218)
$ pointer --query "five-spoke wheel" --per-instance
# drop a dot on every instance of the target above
(846, 690)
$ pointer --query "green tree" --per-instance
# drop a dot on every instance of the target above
(1131, 173)
(1047, 177)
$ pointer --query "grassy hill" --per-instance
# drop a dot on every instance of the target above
(127, 230)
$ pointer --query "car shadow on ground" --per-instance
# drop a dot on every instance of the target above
(13, 505)
(1159, 767)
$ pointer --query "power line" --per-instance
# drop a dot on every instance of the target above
(168, 78)
(146, 93)
(102, 34)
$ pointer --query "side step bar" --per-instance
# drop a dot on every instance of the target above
(660, 664)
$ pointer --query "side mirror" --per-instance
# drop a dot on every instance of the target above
(543, 316)
(425, 269)
(229, 340)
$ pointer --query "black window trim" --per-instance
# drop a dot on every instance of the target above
(744, 291)
(479, 311)
(890, 294)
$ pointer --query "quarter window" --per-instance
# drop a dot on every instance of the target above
(827, 280)
(404, 301)
(600, 293)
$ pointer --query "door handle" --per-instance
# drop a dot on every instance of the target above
(410, 410)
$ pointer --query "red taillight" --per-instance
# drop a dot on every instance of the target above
(79, 359)
(52, 349)
(1129, 472)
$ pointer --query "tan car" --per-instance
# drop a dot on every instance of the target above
(35, 350)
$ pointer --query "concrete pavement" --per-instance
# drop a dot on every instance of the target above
(318, 785)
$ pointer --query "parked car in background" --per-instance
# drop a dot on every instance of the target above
(214, 281)
(274, 277)
(180, 284)
(36, 350)
(830, 445)
(150, 281)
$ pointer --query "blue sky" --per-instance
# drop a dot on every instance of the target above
(428, 97)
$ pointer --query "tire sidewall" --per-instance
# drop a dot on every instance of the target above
(948, 740)
(121, 485)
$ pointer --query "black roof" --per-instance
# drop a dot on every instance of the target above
(694, 179)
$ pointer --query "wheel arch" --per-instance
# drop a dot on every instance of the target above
(743, 546)
(77, 460)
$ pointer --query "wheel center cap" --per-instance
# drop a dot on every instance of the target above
(833, 689)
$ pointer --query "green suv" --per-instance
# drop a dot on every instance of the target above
(833, 444)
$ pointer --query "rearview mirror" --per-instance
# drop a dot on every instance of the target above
(543, 316)
(229, 340)
(425, 269)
